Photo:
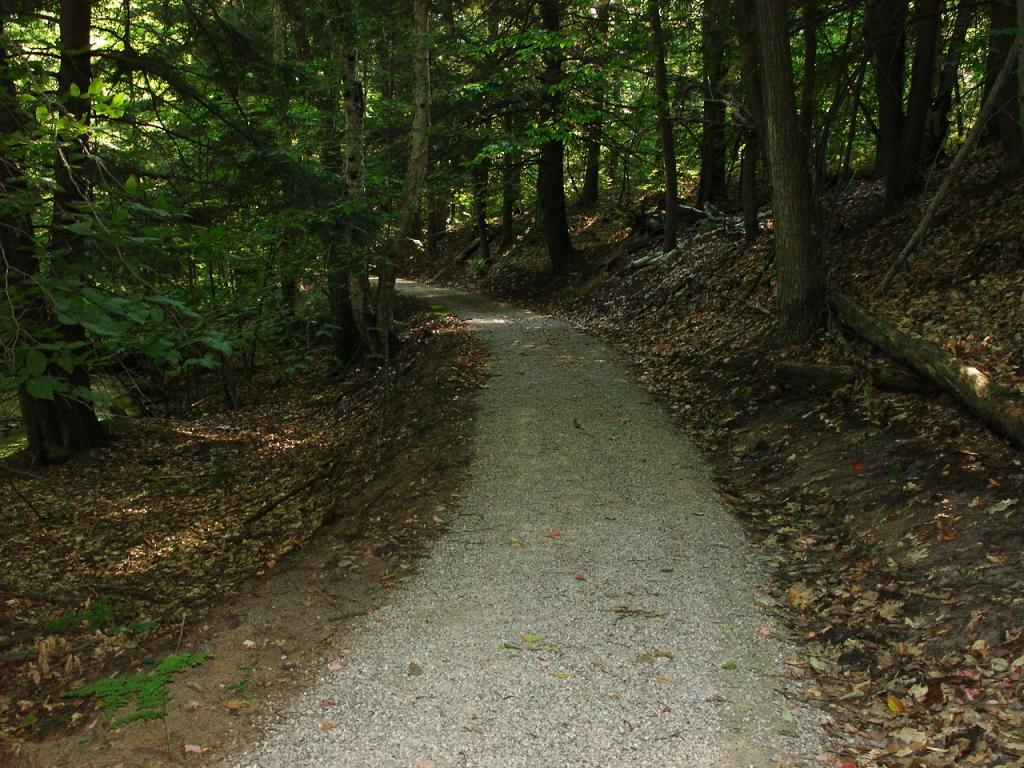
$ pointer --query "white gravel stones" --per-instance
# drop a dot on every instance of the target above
(591, 605)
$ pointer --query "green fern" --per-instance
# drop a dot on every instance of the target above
(147, 690)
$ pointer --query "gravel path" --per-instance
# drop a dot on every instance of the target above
(591, 605)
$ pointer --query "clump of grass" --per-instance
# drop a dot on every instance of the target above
(148, 690)
(97, 615)
(100, 617)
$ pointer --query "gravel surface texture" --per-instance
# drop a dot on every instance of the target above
(593, 603)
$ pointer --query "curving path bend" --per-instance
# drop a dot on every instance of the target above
(591, 605)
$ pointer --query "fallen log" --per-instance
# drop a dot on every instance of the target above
(823, 377)
(1000, 408)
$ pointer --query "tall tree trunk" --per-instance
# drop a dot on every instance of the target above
(885, 22)
(592, 167)
(927, 14)
(511, 183)
(344, 336)
(551, 168)
(937, 123)
(711, 186)
(348, 281)
(60, 427)
(668, 142)
(1003, 16)
(801, 278)
(402, 246)
(745, 19)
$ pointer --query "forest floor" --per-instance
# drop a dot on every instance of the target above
(894, 522)
(257, 536)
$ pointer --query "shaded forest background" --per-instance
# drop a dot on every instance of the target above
(207, 187)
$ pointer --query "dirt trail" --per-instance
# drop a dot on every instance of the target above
(593, 603)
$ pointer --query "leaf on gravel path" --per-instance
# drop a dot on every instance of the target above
(415, 670)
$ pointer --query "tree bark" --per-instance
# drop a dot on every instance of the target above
(711, 184)
(402, 246)
(900, 136)
(591, 190)
(668, 143)
(348, 280)
(551, 168)
(937, 123)
(748, 187)
(807, 102)
(927, 15)
(1003, 15)
(1000, 408)
(801, 278)
(65, 425)
(884, 24)
(745, 19)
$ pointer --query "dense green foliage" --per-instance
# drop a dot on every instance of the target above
(190, 198)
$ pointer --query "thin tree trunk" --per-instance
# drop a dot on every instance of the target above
(481, 172)
(807, 102)
(851, 134)
(551, 168)
(748, 186)
(349, 283)
(668, 144)
(437, 223)
(402, 246)
(592, 167)
(801, 278)
(745, 19)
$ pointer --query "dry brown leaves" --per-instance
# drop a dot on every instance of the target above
(178, 512)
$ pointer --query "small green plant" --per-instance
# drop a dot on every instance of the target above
(98, 615)
(148, 690)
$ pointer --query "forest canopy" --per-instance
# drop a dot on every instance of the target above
(193, 190)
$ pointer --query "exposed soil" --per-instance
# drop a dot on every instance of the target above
(257, 535)
(894, 520)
